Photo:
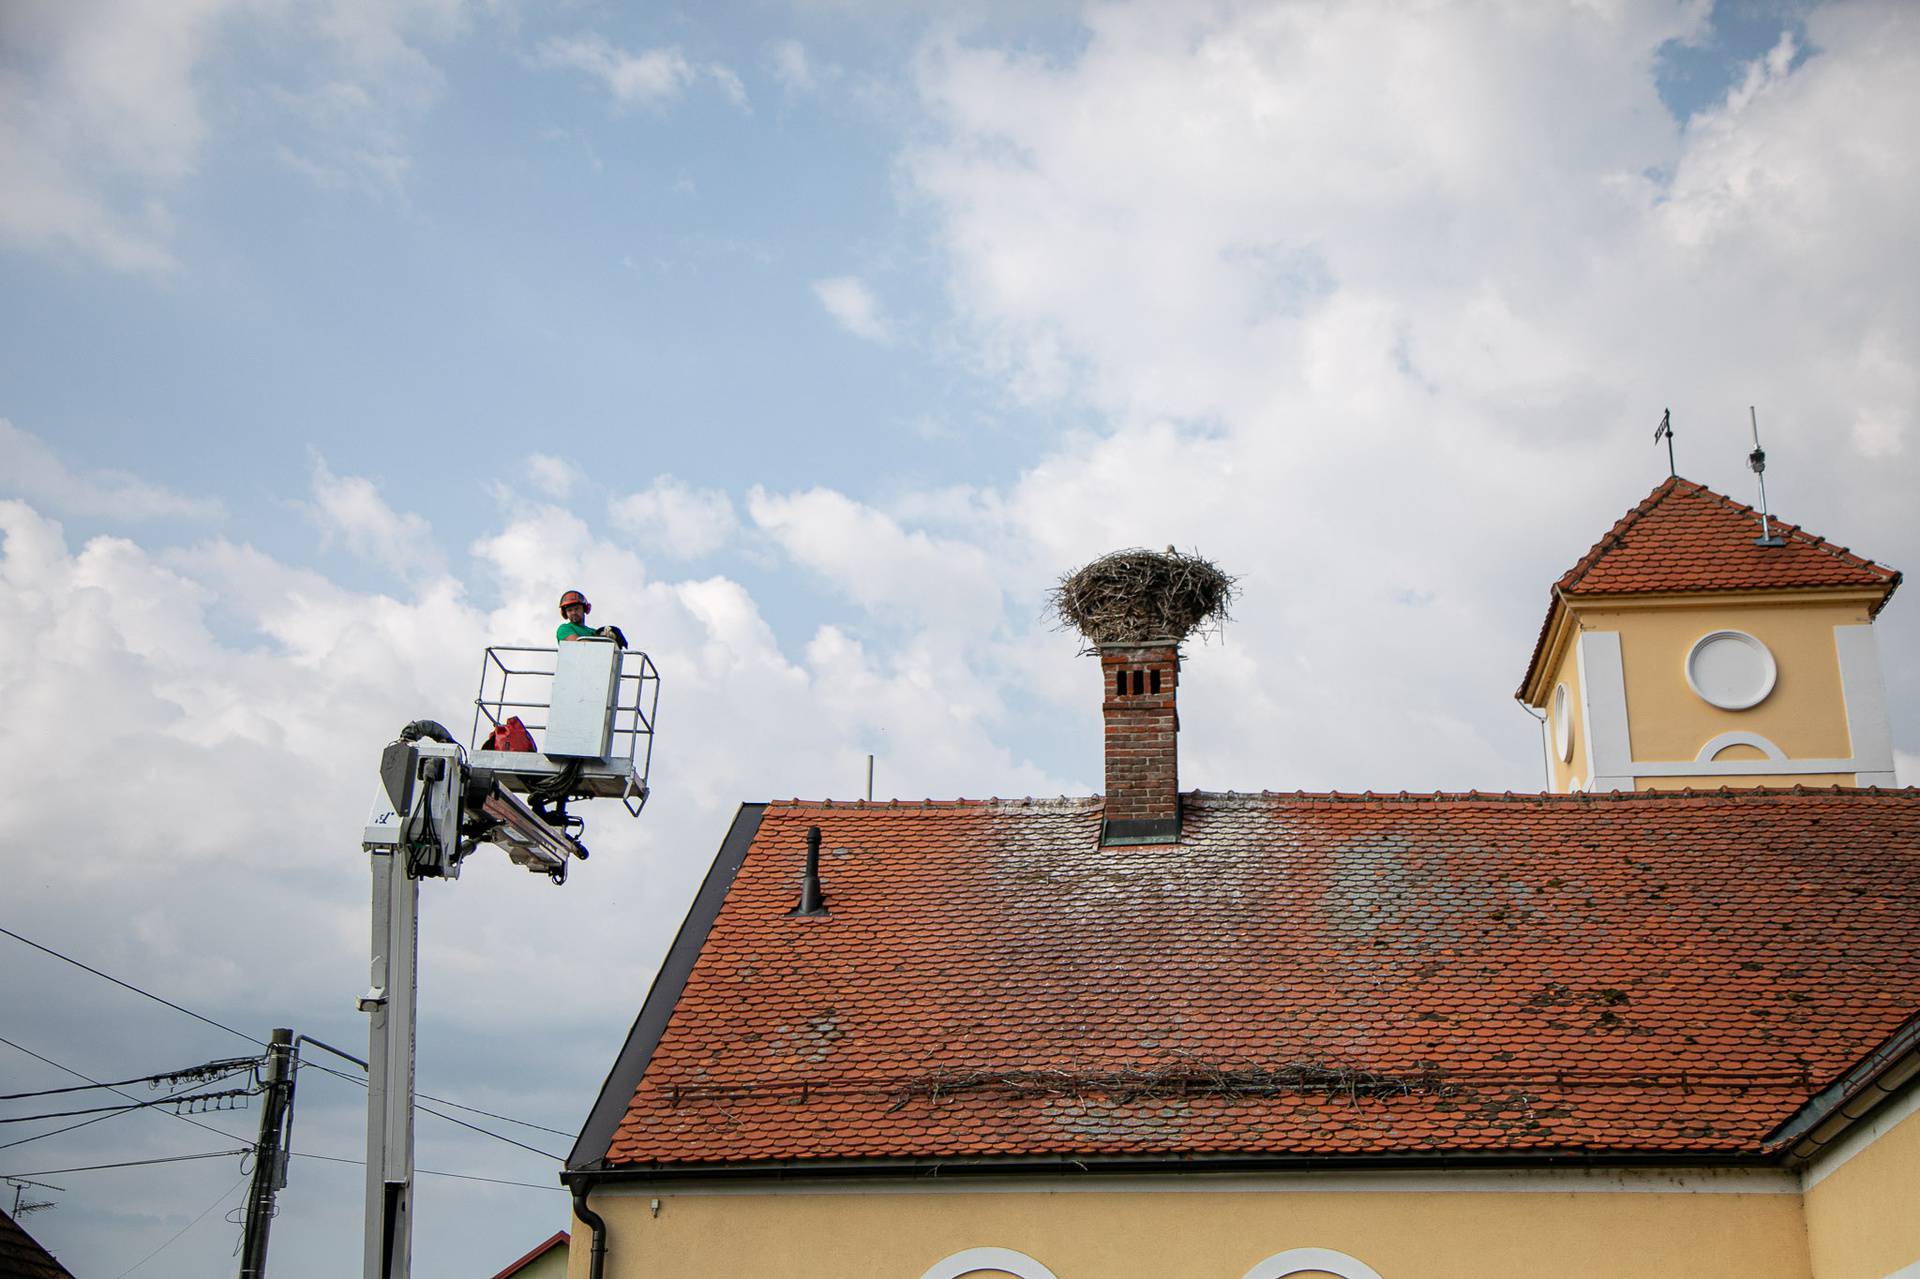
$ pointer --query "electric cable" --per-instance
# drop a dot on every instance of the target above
(183, 1230)
(127, 985)
(418, 1096)
(134, 1163)
(427, 1096)
(176, 1098)
(429, 1172)
(185, 1119)
(50, 1092)
(262, 1043)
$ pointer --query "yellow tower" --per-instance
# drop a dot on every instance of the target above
(1686, 650)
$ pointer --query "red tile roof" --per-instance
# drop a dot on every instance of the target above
(558, 1239)
(22, 1257)
(1649, 974)
(1684, 538)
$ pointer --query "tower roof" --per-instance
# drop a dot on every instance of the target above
(1685, 538)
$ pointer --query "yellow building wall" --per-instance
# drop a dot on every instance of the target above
(1206, 1235)
(1566, 772)
(1863, 1219)
(1704, 781)
(1805, 715)
(552, 1265)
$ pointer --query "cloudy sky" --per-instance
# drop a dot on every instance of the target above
(814, 340)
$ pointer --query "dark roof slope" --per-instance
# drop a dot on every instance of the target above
(1684, 538)
(1661, 975)
(22, 1257)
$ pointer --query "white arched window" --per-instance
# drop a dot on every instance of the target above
(975, 1260)
(1308, 1260)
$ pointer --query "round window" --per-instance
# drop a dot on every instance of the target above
(1731, 670)
(1563, 722)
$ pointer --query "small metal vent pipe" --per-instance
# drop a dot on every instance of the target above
(812, 902)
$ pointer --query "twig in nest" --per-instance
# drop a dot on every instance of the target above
(1131, 596)
(1187, 1079)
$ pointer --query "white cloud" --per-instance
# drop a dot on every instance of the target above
(104, 112)
(35, 471)
(730, 85)
(553, 476)
(852, 304)
(241, 703)
(649, 77)
(350, 510)
(685, 522)
(1369, 304)
(1370, 301)
(793, 66)
(946, 586)
(98, 96)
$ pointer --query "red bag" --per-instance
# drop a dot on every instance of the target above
(510, 736)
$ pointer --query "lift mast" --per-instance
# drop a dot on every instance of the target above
(436, 804)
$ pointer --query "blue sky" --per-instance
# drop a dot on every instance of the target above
(814, 341)
(559, 271)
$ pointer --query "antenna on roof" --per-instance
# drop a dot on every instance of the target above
(1665, 432)
(1758, 461)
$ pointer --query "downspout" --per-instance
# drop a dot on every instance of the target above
(597, 1264)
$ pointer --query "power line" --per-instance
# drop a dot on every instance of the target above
(445, 1101)
(185, 1119)
(183, 1230)
(51, 1092)
(487, 1132)
(177, 1096)
(127, 985)
(439, 1114)
(134, 1105)
(489, 1114)
(327, 1069)
(431, 1172)
(132, 1163)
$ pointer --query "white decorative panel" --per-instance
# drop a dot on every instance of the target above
(1731, 670)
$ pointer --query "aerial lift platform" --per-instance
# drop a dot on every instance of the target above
(593, 704)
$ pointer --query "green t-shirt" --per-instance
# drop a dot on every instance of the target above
(574, 630)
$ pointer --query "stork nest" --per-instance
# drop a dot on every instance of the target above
(1132, 596)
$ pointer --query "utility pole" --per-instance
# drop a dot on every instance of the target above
(269, 1153)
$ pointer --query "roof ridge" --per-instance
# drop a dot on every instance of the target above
(1808, 537)
(1254, 798)
(910, 805)
(1741, 793)
(1595, 553)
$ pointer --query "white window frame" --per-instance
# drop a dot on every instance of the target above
(1006, 1260)
(1295, 1260)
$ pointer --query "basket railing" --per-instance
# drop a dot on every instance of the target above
(516, 680)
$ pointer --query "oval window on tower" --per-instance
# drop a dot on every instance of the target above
(1731, 670)
(1563, 723)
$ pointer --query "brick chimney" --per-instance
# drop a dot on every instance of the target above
(1142, 742)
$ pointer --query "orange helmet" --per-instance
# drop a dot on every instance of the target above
(571, 598)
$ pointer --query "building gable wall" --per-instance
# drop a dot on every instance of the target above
(1863, 1206)
(1571, 1225)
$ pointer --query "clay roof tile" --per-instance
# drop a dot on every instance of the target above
(1302, 974)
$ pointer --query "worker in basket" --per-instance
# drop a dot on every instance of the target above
(574, 608)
